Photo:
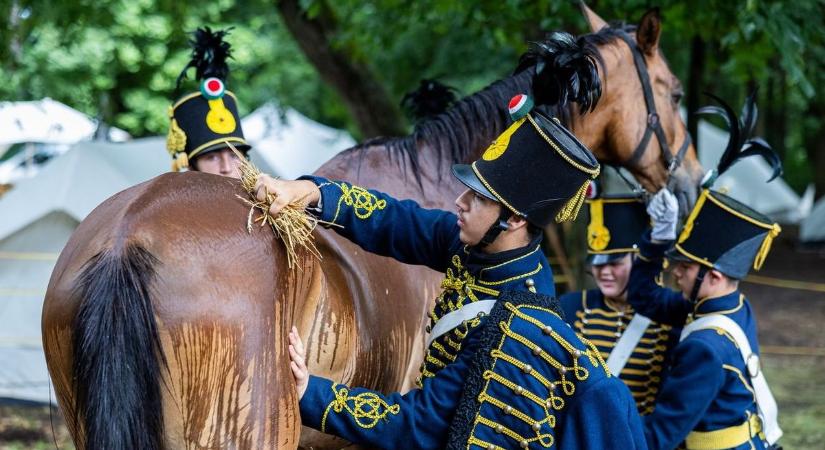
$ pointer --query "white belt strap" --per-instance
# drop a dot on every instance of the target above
(765, 402)
(454, 319)
(627, 343)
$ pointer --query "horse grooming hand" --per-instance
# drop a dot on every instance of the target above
(664, 212)
(280, 193)
(297, 356)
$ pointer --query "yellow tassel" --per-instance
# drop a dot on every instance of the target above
(572, 207)
(598, 236)
(176, 139)
(688, 227)
(765, 248)
(180, 162)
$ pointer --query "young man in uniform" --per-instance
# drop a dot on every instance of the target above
(202, 122)
(502, 369)
(715, 395)
(634, 346)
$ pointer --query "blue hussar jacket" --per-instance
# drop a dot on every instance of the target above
(707, 388)
(422, 418)
(603, 325)
(403, 230)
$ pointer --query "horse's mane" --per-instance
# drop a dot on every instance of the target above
(473, 122)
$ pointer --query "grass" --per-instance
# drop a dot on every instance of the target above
(796, 381)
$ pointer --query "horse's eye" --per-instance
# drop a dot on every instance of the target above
(676, 97)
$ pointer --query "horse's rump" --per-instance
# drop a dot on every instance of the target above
(218, 322)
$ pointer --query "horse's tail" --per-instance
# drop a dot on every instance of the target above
(117, 353)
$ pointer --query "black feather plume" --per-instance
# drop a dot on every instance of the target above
(209, 55)
(430, 99)
(740, 143)
(565, 71)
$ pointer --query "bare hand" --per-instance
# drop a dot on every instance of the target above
(286, 192)
(297, 356)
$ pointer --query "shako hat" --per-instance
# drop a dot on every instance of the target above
(615, 224)
(722, 233)
(536, 168)
(205, 120)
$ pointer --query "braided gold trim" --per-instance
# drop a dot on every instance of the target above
(490, 188)
(377, 409)
(593, 172)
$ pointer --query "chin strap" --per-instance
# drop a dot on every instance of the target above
(700, 276)
(496, 228)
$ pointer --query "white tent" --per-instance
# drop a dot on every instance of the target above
(48, 128)
(812, 228)
(292, 144)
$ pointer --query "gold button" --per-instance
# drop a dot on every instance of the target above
(537, 351)
(523, 444)
(536, 426)
(577, 352)
(563, 369)
(519, 390)
(499, 429)
(491, 447)
(529, 282)
(527, 368)
(547, 330)
(508, 409)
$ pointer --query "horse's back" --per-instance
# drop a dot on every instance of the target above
(220, 299)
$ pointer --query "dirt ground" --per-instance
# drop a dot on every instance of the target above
(791, 335)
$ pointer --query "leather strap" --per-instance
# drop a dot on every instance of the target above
(453, 319)
(765, 403)
(627, 343)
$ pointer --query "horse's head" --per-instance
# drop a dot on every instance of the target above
(628, 125)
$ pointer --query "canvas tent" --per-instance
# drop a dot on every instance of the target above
(812, 229)
(290, 143)
(48, 128)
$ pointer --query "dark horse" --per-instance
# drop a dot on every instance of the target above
(164, 322)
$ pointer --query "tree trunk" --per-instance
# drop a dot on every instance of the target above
(370, 106)
(815, 146)
(694, 86)
(776, 111)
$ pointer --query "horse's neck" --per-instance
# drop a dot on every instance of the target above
(459, 134)
(376, 167)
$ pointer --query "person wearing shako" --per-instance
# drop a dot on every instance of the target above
(715, 395)
(203, 123)
(635, 347)
(502, 369)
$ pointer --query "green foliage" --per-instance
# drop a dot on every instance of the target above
(118, 59)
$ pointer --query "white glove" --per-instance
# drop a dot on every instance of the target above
(664, 212)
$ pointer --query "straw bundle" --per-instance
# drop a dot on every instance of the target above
(293, 225)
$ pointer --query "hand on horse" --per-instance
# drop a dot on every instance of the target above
(297, 356)
(281, 193)
(664, 212)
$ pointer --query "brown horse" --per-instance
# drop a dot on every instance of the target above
(164, 323)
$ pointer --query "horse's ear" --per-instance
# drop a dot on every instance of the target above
(650, 28)
(596, 22)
